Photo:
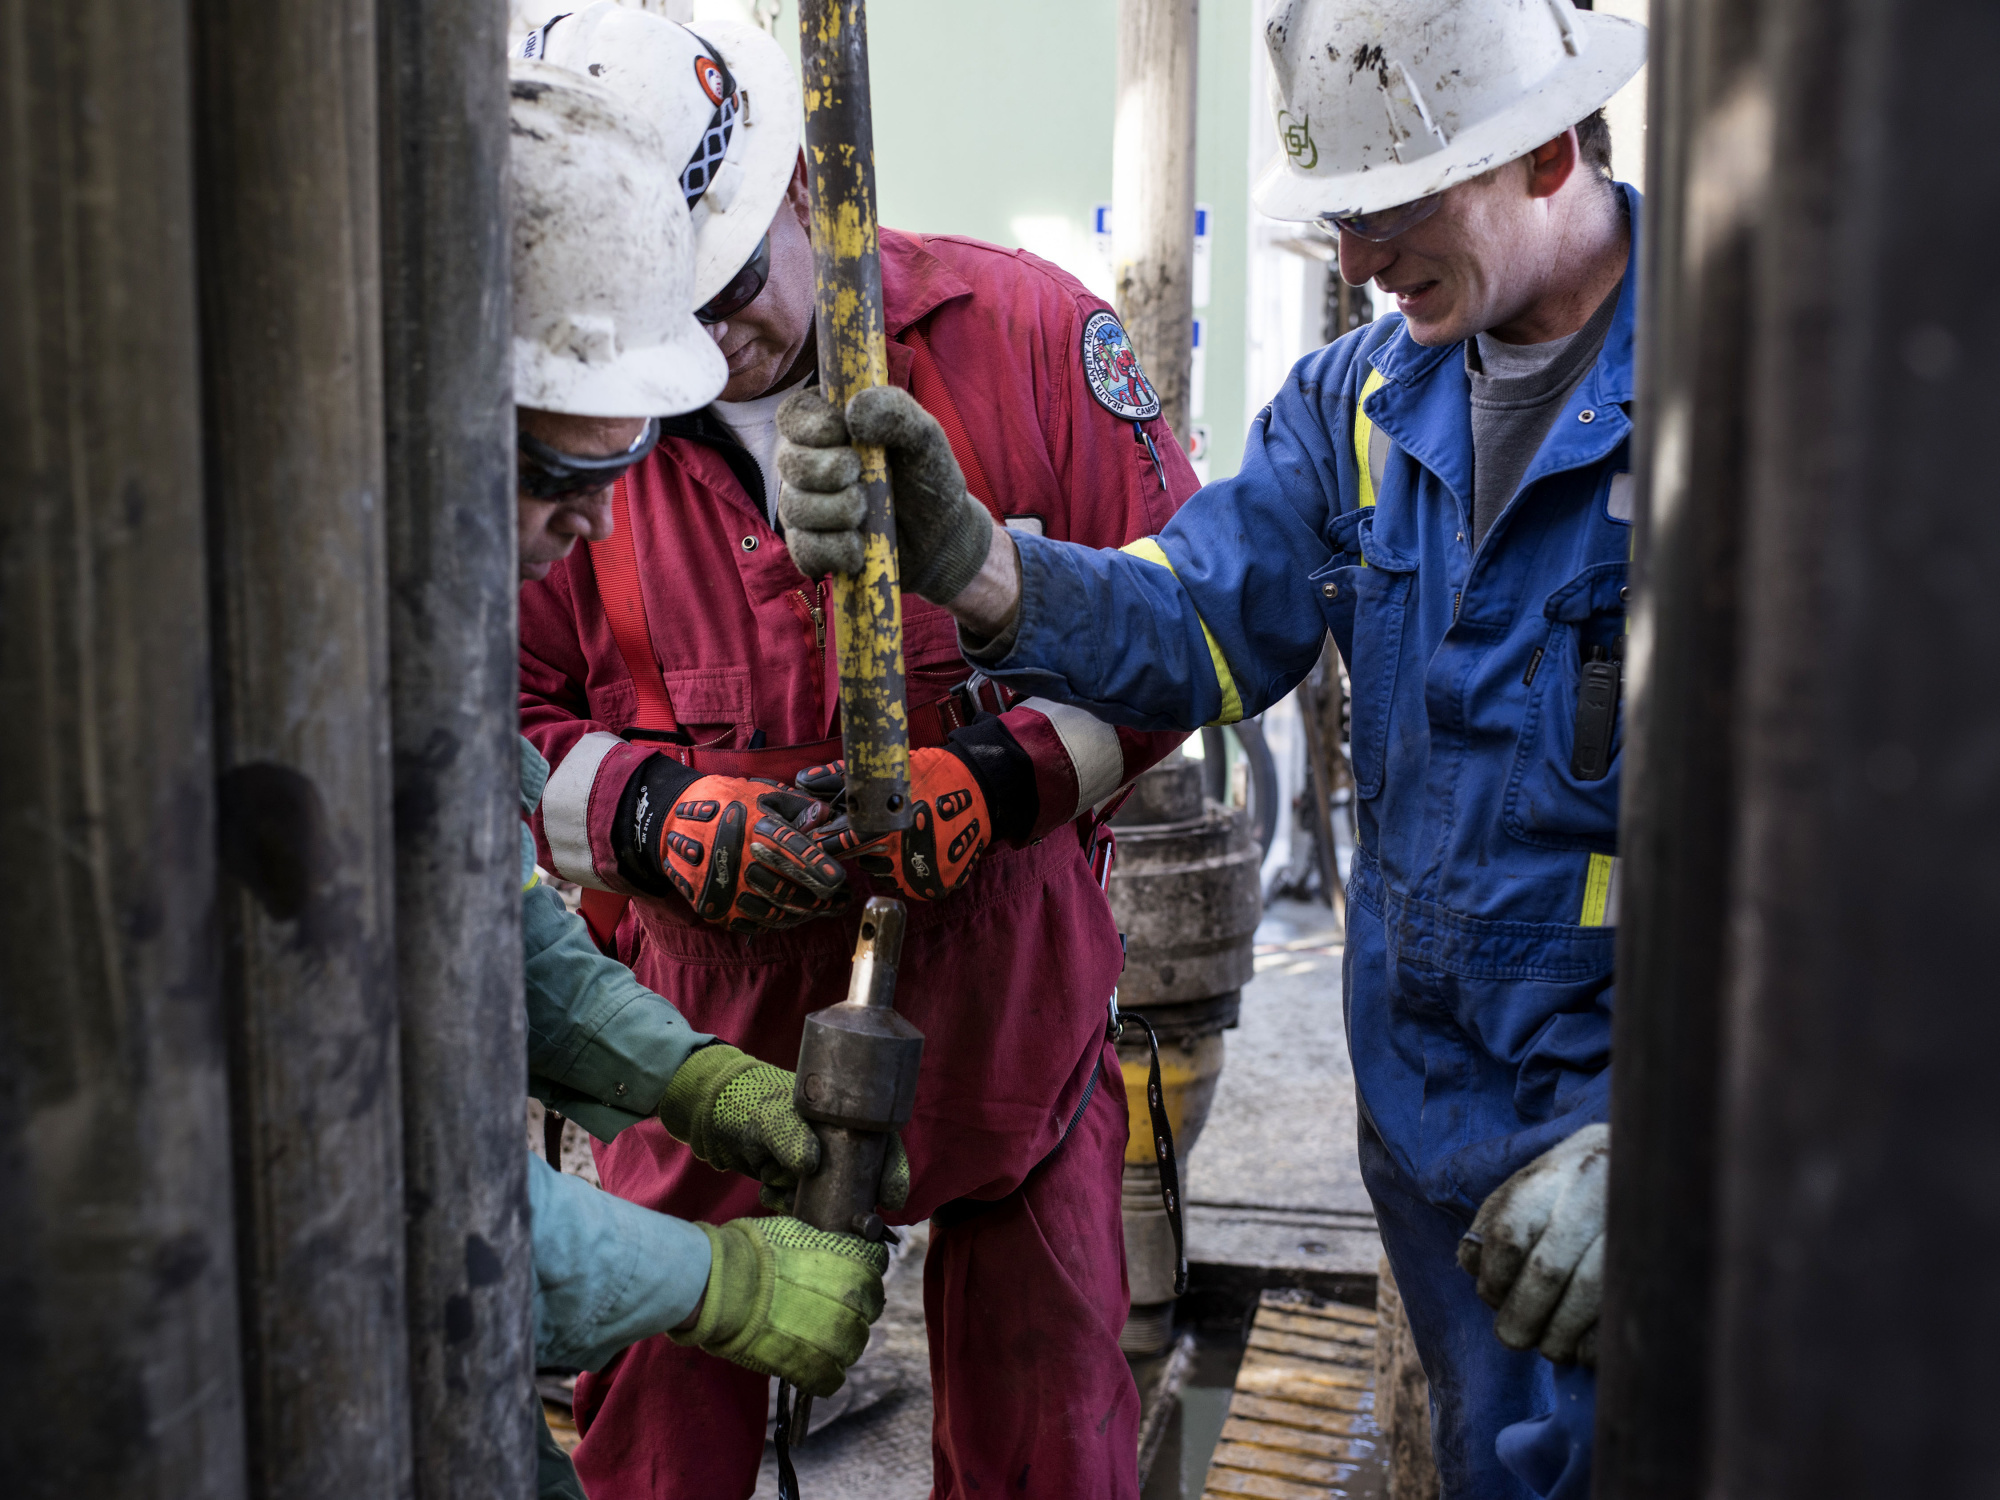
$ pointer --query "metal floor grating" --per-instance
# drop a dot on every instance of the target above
(1301, 1420)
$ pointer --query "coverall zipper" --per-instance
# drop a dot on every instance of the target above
(812, 610)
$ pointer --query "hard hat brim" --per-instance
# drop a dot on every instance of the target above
(682, 374)
(1614, 50)
(764, 149)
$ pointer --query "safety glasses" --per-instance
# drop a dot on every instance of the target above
(1383, 224)
(550, 474)
(743, 286)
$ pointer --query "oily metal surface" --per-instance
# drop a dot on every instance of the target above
(853, 355)
(120, 1318)
(453, 675)
(1187, 898)
(1185, 890)
(286, 194)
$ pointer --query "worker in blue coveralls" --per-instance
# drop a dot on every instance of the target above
(605, 343)
(1446, 491)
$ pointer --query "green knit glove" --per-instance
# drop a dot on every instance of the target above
(788, 1300)
(736, 1113)
(942, 533)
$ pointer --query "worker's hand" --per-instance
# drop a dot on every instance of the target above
(737, 849)
(1537, 1247)
(949, 825)
(788, 1300)
(942, 533)
(737, 1114)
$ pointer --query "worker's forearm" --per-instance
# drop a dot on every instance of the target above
(986, 606)
(593, 1030)
(607, 1272)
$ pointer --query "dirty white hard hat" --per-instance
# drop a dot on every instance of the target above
(1382, 102)
(604, 300)
(732, 131)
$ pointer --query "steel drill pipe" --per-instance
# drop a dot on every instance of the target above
(853, 355)
(119, 1320)
(1679, 813)
(286, 171)
(454, 671)
(1152, 194)
(1858, 1097)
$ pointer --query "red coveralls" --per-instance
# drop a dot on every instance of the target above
(1007, 978)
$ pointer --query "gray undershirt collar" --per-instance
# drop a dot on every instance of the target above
(1518, 390)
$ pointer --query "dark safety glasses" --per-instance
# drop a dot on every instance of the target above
(550, 474)
(1383, 224)
(743, 286)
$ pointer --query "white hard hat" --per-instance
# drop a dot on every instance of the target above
(603, 258)
(1382, 102)
(723, 97)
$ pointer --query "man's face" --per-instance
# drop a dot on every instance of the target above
(763, 342)
(1477, 262)
(550, 528)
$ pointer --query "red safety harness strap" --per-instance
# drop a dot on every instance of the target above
(616, 564)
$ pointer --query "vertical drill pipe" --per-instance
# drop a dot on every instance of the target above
(453, 670)
(1679, 813)
(289, 261)
(853, 355)
(1861, 1030)
(1152, 193)
(119, 1320)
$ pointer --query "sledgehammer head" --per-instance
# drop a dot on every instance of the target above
(857, 1078)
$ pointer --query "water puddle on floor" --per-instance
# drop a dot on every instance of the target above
(1181, 1468)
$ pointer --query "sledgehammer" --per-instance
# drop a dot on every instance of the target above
(857, 1081)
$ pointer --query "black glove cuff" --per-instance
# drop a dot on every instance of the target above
(650, 792)
(1005, 774)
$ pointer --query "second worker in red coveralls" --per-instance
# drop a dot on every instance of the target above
(684, 652)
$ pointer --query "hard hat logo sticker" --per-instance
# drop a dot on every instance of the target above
(1111, 369)
(1296, 132)
(708, 73)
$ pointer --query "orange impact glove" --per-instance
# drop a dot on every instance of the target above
(949, 825)
(736, 848)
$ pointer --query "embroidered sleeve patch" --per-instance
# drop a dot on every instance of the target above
(1111, 369)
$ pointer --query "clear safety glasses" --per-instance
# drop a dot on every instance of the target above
(550, 474)
(1383, 224)
(743, 287)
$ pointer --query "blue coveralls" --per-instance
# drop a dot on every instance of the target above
(1478, 974)
(601, 1047)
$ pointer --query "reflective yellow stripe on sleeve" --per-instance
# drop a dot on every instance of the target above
(1232, 702)
(1599, 885)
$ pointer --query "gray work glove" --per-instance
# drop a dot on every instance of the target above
(942, 533)
(1537, 1247)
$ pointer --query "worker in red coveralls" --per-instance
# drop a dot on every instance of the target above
(684, 653)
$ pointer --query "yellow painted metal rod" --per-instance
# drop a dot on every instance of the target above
(853, 355)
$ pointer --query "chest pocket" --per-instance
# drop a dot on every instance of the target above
(1562, 795)
(1366, 594)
